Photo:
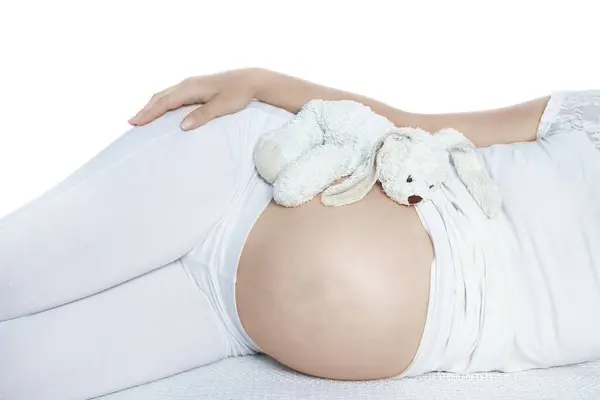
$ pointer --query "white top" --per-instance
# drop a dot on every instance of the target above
(521, 290)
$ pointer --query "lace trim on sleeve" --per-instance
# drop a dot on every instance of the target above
(550, 113)
(569, 111)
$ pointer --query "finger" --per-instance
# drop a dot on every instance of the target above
(218, 106)
(150, 102)
(187, 92)
(160, 105)
(186, 83)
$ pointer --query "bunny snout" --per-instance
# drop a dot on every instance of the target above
(410, 172)
(414, 199)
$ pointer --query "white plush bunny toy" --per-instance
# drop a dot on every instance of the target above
(329, 140)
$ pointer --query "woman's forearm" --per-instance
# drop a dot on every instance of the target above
(292, 93)
(514, 123)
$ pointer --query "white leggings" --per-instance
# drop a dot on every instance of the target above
(124, 272)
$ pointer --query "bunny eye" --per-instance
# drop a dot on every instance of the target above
(409, 179)
(430, 187)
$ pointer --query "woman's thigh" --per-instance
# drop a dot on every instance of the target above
(148, 328)
(141, 203)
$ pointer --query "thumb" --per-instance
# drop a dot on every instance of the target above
(216, 107)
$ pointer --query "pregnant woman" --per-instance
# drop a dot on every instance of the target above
(165, 252)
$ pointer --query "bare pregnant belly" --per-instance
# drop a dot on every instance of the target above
(337, 292)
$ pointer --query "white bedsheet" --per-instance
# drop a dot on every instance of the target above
(259, 377)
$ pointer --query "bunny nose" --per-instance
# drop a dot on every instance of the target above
(414, 199)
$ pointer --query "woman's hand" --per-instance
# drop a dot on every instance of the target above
(221, 94)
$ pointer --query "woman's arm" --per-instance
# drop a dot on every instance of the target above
(231, 91)
(515, 123)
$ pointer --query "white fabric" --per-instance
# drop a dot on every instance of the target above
(511, 293)
(260, 378)
(124, 272)
(88, 271)
(521, 290)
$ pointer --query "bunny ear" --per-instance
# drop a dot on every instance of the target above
(472, 173)
(453, 139)
(357, 185)
(352, 189)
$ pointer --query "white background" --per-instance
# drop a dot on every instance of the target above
(73, 72)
